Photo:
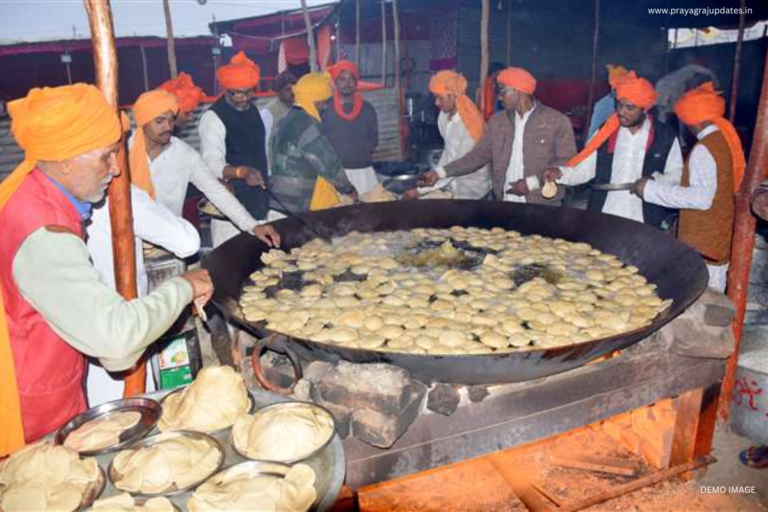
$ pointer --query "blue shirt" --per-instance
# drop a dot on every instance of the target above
(84, 208)
(602, 111)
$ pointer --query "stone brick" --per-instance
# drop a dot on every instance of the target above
(692, 338)
(316, 370)
(443, 399)
(382, 430)
(714, 309)
(379, 387)
(303, 390)
(477, 393)
(341, 416)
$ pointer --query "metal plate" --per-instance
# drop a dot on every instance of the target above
(400, 184)
(293, 405)
(114, 476)
(150, 411)
(224, 429)
(264, 468)
(611, 186)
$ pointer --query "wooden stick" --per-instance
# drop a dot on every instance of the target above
(597, 464)
(744, 237)
(396, 36)
(593, 77)
(519, 484)
(310, 38)
(508, 62)
(484, 49)
(123, 244)
(737, 63)
(357, 32)
(383, 42)
(170, 39)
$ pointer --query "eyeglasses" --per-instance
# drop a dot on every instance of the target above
(503, 91)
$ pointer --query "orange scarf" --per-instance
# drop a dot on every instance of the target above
(51, 124)
(149, 105)
(357, 106)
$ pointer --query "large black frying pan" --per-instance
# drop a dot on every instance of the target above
(678, 271)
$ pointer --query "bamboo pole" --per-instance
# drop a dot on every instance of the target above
(396, 39)
(123, 244)
(508, 62)
(310, 38)
(484, 49)
(737, 63)
(144, 68)
(383, 42)
(593, 76)
(170, 39)
(357, 32)
(744, 237)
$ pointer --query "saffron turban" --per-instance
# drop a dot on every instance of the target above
(150, 105)
(705, 104)
(518, 79)
(187, 93)
(240, 73)
(310, 88)
(615, 74)
(344, 65)
(450, 82)
(50, 124)
(638, 91)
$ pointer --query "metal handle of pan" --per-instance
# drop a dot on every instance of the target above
(276, 344)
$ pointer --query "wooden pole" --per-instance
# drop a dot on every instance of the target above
(593, 76)
(744, 237)
(383, 42)
(123, 244)
(144, 68)
(170, 39)
(396, 39)
(508, 62)
(484, 48)
(357, 32)
(737, 63)
(310, 38)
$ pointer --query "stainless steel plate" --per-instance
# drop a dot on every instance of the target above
(294, 405)
(149, 409)
(224, 429)
(115, 476)
(399, 184)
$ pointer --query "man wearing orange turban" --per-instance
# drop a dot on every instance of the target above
(519, 143)
(461, 125)
(233, 143)
(711, 177)
(164, 165)
(352, 127)
(606, 105)
(630, 145)
(54, 308)
(188, 96)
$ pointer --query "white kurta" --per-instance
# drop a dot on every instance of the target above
(516, 167)
(628, 159)
(458, 142)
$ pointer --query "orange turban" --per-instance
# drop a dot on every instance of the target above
(150, 105)
(615, 74)
(344, 65)
(187, 93)
(705, 104)
(240, 73)
(450, 82)
(50, 124)
(518, 79)
(638, 91)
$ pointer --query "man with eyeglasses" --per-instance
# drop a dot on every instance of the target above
(519, 143)
(630, 145)
(233, 142)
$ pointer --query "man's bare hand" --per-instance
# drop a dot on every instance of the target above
(252, 176)
(518, 188)
(410, 195)
(553, 174)
(268, 235)
(760, 204)
(202, 286)
(428, 178)
(639, 187)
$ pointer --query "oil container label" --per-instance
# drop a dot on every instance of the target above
(173, 363)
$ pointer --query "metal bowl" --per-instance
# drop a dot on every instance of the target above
(267, 468)
(150, 411)
(93, 491)
(402, 183)
(217, 431)
(290, 404)
(114, 476)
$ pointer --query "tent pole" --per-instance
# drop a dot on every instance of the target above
(737, 63)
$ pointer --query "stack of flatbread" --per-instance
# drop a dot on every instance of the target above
(210, 403)
(172, 463)
(238, 489)
(378, 194)
(282, 433)
(44, 477)
(101, 432)
(125, 503)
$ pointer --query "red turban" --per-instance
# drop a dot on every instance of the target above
(705, 104)
(187, 93)
(450, 82)
(240, 73)
(518, 79)
(344, 65)
(638, 91)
